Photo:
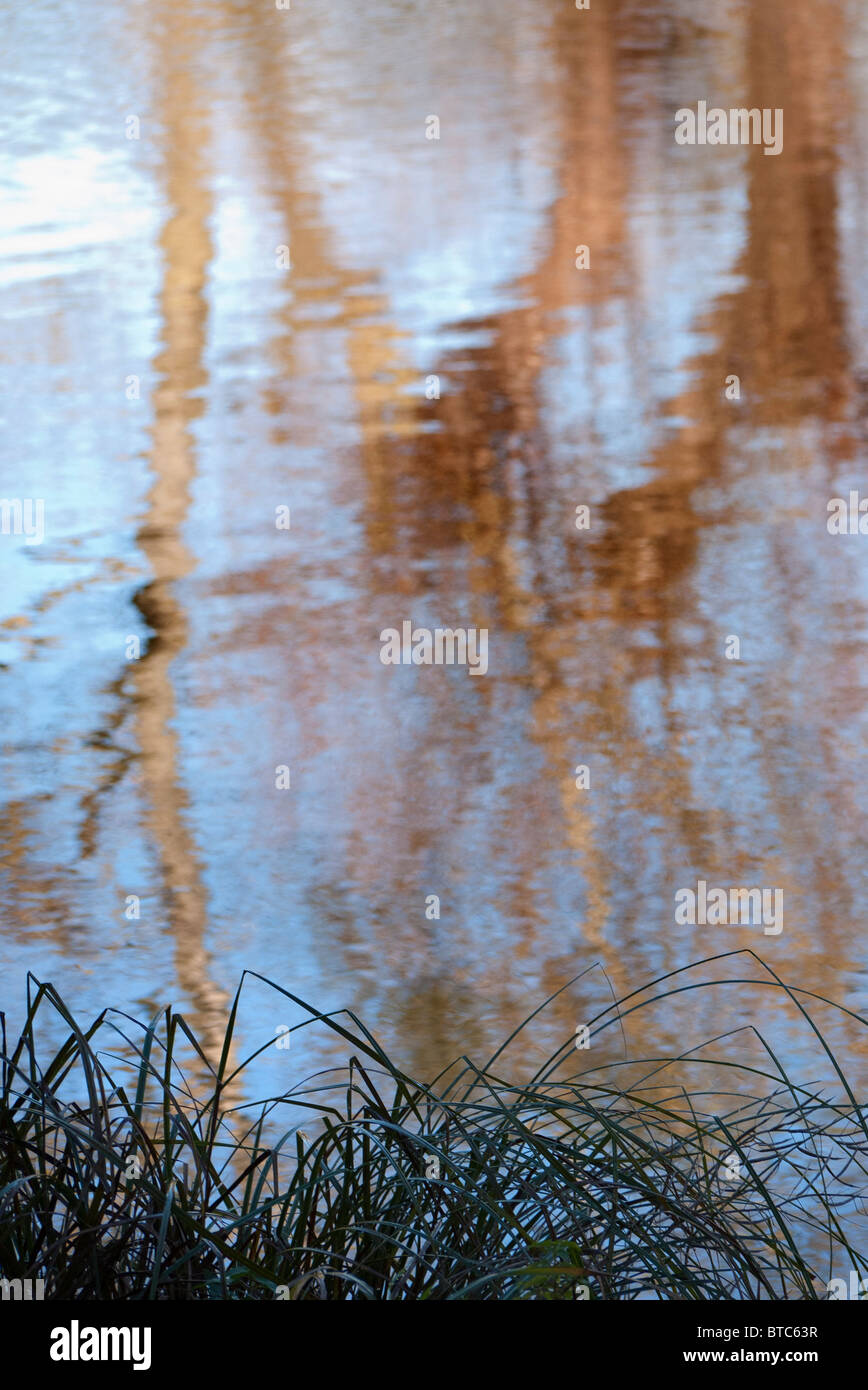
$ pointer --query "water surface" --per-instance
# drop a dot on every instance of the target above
(166, 386)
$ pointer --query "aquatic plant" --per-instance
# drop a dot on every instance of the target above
(120, 1179)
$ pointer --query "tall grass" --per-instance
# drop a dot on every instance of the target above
(119, 1179)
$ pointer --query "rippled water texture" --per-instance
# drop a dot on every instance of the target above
(167, 385)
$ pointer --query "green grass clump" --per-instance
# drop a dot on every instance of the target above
(122, 1177)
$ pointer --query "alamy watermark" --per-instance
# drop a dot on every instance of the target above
(77, 1343)
(444, 646)
(738, 126)
(22, 1290)
(733, 907)
(849, 1289)
(847, 517)
(23, 516)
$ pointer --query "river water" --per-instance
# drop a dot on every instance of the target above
(431, 385)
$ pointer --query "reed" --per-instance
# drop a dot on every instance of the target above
(121, 1179)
